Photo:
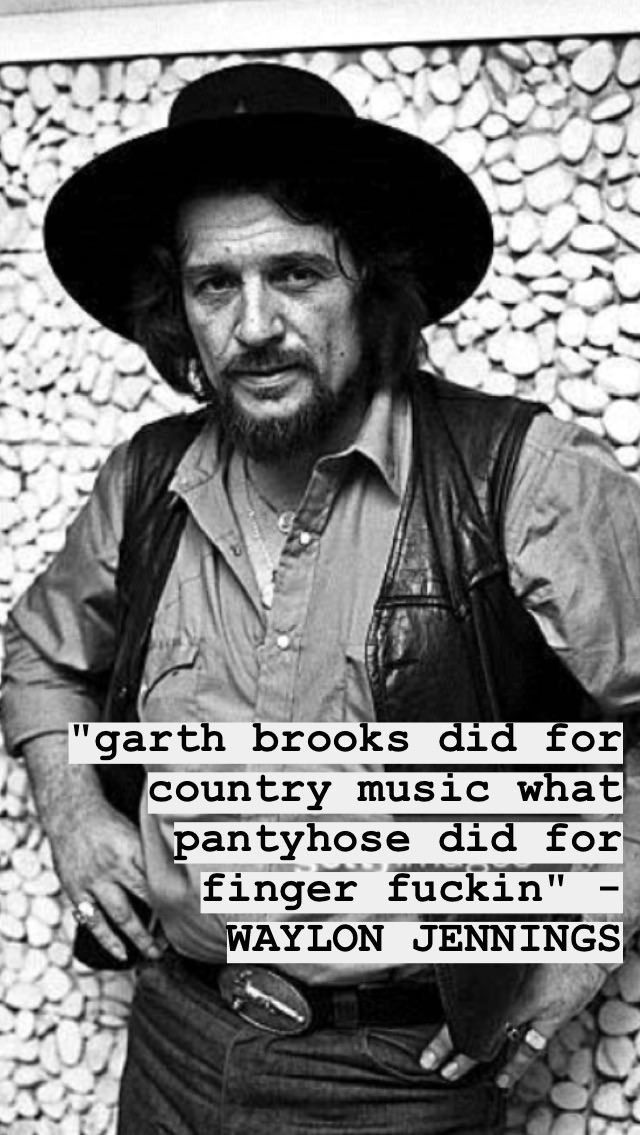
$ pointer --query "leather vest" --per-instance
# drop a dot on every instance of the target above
(448, 640)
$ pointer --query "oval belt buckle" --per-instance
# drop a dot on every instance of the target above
(265, 999)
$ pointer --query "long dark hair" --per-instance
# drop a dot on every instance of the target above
(391, 304)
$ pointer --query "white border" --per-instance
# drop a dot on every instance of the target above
(268, 25)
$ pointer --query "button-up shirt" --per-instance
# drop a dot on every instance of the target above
(571, 537)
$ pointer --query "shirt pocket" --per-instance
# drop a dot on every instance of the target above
(171, 682)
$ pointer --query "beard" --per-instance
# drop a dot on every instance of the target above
(272, 438)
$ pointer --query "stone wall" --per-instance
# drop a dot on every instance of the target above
(550, 132)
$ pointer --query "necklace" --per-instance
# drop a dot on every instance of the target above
(284, 518)
(266, 580)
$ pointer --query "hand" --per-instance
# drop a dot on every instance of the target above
(99, 858)
(553, 994)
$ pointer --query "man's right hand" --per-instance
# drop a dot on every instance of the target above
(96, 851)
(99, 858)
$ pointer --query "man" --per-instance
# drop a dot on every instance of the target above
(334, 538)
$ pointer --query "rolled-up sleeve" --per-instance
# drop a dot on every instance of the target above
(59, 639)
(572, 541)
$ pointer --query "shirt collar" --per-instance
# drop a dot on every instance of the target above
(204, 459)
(384, 439)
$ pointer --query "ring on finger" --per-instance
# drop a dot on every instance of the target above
(85, 912)
(535, 1040)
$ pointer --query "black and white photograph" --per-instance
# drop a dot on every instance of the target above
(319, 417)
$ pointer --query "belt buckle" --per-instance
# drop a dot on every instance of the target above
(265, 999)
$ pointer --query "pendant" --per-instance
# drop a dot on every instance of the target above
(285, 522)
(266, 594)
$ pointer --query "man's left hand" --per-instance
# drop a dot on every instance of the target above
(554, 993)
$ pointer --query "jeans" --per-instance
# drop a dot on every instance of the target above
(195, 1068)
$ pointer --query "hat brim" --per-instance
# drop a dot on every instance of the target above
(102, 221)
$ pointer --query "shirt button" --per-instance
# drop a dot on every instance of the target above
(305, 538)
(283, 642)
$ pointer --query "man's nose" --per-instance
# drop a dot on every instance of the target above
(259, 319)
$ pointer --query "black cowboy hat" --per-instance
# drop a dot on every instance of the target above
(262, 119)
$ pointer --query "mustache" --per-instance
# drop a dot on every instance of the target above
(264, 360)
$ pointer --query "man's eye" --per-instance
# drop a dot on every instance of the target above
(299, 277)
(214, 285)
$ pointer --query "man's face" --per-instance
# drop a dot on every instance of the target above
(273, 317)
